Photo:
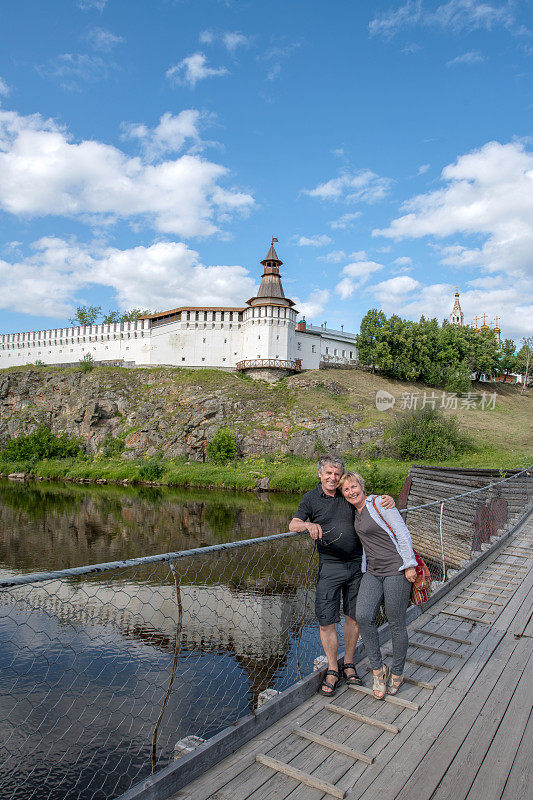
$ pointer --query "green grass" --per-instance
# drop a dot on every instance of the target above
(287, 474)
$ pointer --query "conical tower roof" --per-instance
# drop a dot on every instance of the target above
(270, 257)
(270, 290)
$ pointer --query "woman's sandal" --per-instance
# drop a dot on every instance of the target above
(328, 689)
(379, 686)
(354, 679)
(393, 683)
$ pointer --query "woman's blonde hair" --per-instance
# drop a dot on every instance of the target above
(354, 476)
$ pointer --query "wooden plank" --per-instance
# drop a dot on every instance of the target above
(496, 766)
(331, 745)
(432, 649)
(376, 723)
(520, 780)
(470, 608)
(299, 775)
(475, 748)
(442, 636)
(396, 701)
(463, 616)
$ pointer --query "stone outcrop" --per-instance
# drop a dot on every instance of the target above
(154, 412)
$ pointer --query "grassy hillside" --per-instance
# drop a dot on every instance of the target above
(496, 416)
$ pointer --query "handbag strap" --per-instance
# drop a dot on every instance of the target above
(378, 512)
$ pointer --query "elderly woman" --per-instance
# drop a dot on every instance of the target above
(389, 569)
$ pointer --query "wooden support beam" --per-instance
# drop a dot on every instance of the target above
(420, 684)
(299, 775)
(376, 723)
(435, 649)
(329, 743)
(392, 699)
(424, 664)
(480, 599)
(470, 608)
(442, 636)
(463, 616)
(501, 589)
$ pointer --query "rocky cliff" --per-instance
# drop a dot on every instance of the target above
(175, 412)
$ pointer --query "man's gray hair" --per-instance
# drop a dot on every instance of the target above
(335, 461)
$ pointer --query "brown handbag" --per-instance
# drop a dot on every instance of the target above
(421, 588)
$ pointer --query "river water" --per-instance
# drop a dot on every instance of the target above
(85, 663)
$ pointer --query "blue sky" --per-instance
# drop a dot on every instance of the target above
(149, 149)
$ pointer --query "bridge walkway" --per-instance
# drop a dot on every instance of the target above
(461, 728)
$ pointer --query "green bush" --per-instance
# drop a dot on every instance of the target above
(426, 433)
(223, 447)
(86, 364)
(112, 448)
(42, 443)
(152, 470)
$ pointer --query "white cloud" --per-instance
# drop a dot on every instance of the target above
(345, 222)
(319, 240)
(314, 305)
(274, 57)
(488, 193)
(455, 15)
(422, 169)
(206, 37)
(74, 69)
(403, 261)
(162, 276)
(472, 57)
(170, 135)
(103, 40)
(356, 274)
(4, 88)
(394, 290)
(230, 39)
(361, 186)
(234, 39)
(336, 256)
(192, 69)
(86, 5)
(43, 172)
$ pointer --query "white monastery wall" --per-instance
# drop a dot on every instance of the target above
(210, 342)
(127, 341)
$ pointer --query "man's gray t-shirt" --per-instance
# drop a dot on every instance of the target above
(382, 558)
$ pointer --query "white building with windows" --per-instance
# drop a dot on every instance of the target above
(262, 337)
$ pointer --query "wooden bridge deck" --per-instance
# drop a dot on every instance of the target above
(470, 738)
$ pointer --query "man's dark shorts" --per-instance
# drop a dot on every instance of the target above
(334, 578)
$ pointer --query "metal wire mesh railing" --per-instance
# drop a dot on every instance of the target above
(104, 668)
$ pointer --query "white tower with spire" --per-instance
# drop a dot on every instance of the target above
(269, 322)
(457, 317)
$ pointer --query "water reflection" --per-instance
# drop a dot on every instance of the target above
(52, 526)
(84, 663)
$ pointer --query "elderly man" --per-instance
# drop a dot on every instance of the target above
(329, 519)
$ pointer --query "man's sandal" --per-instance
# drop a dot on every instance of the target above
(353, 680)
(328, 689)
(393, 683)
(379, 686)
